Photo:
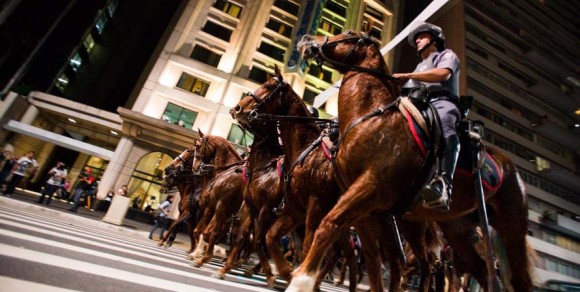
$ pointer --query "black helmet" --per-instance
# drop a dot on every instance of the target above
(434, 30)
(313, 111)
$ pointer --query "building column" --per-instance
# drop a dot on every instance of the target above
(115, 166)
(29, 116)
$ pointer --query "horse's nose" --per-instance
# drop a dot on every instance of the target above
(236, 110)
(305, 38)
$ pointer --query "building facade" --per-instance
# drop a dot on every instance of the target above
(518, 62)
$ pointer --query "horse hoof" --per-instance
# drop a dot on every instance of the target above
(270, 281)
(218, 275)
(248, 274)
(197, 263)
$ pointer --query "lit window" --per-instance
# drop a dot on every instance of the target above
(279, 27)
(238, 136)
(320, 73)
(205, 55)
(193, 84)
(101, 23)
(89, 43)
(330, 27)
(178, 115)
(217, 31)
(228, 7)
(62, 82)
(336, 8)
(75, 62)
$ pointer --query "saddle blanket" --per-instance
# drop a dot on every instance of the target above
(490, 174)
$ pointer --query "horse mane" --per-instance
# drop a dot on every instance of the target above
(225, 152)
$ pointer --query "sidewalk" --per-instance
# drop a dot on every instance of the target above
(25, 199)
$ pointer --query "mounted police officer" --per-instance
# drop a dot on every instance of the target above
(437, 75)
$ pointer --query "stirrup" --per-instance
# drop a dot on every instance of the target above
(433, 198)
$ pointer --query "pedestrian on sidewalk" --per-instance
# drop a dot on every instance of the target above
(26, 164)
(57, 175)
(84, 185)
(161, 220)
(7, 168)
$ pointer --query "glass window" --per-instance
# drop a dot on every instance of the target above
(320, 73)
(145, 183)
(89, 42)
(178, 115)
(75, 62)
(279, 27)
(374, 13)
(205, 55)
(271, 51)
(228, 7)
(336, 8)
(330, 27)
(238, 136)
(112, 7)
(193, 84)
(62, 82)
(217, 31)
(309, 96)
(101, 23)
(287, 6)
(258, 74)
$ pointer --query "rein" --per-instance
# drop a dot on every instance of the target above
(347, 67)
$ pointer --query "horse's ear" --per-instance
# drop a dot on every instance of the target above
(367, 26)
(200, 133)
(277, 72)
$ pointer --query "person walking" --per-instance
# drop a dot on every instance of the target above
(7, 168)
(26, 164)
(84, 185)
(438, 73)
(57, 174)
(161, 220)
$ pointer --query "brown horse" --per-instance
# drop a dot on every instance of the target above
(221, 198)
(378, 160)
(311, 189)
(180, 174)
(262, 196)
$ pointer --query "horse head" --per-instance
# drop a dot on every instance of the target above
(179, 169)
(349, 51)
(205, 152)
(265, 105)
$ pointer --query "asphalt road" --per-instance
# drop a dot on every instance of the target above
(48, 249)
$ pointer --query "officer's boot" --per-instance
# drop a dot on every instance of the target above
(437, 194)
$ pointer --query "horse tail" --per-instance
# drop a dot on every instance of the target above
(533, 259)
(433, 238)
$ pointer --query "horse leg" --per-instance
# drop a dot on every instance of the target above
(389, 251)
(415, 235)
(511, 222)
(239, 243)
(282, 226)
(199, 233)
(458, 234)
(209, 234)
(367, 231)
(357, 197)
(191, 223)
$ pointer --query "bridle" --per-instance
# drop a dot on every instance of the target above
(363, 39)
(203, 167)
(257, 118)
(180, 170)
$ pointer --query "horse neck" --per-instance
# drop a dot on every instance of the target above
(291, 130)
(225, 155)
(361, 93)
(264, 151)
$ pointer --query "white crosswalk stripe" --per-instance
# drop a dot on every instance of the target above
(114, 256)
